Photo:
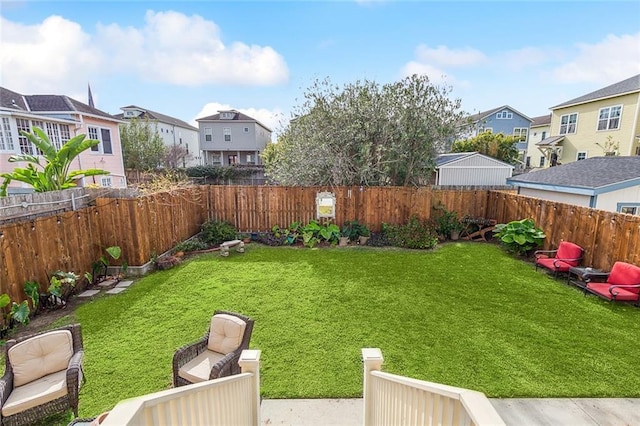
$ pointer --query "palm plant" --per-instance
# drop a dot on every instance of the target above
(55, 174)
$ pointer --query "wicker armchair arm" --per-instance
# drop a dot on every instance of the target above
(227, 366)
(187, 353)
(75, 376)
(621, 286)
(6, 386)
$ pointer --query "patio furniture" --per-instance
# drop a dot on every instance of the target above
(577, 274)
(217, 353)
(566, 256)
(476, 228)
(43, 375)
(224, 247)
(622, 284)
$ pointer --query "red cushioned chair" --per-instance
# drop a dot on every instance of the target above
(622, 285)
(567, 255)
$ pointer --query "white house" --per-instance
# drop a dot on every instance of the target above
(608, 183)
(173, 131)
(471, 169)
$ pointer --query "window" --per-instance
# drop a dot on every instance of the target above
(104, 136)
(568, 123)
(542, 161)
(54, 134)
(520, 134)
(208, 134)
(233, 159)
(216, 159)
(246, 130)
(250, 159)
(106, 181)
(528, 161)
(629, 208)
(504, 115)
(485, 130)
(581, 155)
(26, 147)
(227, 134)
(544, 135)
(6, 139)
(64, 133)
(609, 118)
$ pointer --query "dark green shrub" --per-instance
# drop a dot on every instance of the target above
(416, 234)
(447, 222)
(269, 239)
(519, 236)
(378, 239)
(193, 244)
(354, 230)
(216, 232)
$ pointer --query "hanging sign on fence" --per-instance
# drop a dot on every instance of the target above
(326, 205)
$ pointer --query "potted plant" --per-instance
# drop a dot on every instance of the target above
(364, 234)
(343, 240)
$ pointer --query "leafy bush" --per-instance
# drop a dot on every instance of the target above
(311, 234)
(193, 244)
(269, 239)
(448, 222)
(415, 235)
(354, 230)
(330, 232)
(378, 239)
(216, 232)
(290, 235)
(519, 236)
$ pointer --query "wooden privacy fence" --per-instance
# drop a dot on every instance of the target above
(606, 236)
(72, 241)
(145, 225)
(259, 208)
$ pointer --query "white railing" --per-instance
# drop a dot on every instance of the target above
(233, 400)
(397, 400)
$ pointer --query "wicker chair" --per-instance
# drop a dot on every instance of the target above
(43, 375)
(217, 353)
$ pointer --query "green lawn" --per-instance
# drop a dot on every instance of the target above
(465, 315)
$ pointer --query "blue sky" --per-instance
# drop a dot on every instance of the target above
(189, 59)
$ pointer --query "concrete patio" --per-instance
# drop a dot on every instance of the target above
(516, 412)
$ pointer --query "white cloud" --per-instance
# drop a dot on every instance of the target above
(613, 59)
(446, 57)
(273, 119)
(171, 47)
(435, 75)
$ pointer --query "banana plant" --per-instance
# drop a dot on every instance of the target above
(53, 174)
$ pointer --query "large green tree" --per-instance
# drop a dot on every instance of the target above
(142, 146)
(495, 145)
(53, 173)
(365, 134)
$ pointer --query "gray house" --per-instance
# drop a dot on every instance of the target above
(608, 183)
(231, 137)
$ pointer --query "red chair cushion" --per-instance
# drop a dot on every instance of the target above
(553, 264)
(624, 273)
(567, 250)
(623, 294)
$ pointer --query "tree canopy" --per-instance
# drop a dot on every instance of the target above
(495, 145)
(365, 134)
(142, 146)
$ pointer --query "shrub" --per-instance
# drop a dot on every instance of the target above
(519, 236)
(448, 222)
(193, 244)
(378, 239)
(415, 235)
(216, 232)
(270, 239)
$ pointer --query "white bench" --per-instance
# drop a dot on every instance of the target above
(224, 247)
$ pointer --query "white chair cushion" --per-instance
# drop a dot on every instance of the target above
(226, 333)
(41, 355)
(37, 392)
(198, 369)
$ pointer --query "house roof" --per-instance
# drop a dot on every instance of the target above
(453, 157)
(597, 174)
(153, 115)
(630, 85)
(551, 141)
(542, 120)
(484, 114)
(48, 104)
(237, 117)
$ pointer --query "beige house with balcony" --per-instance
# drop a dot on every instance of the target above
(603, 122)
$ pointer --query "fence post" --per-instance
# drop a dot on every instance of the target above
(250, 363)
(372, 360)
